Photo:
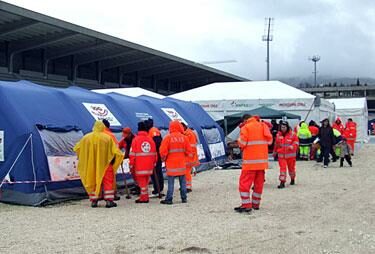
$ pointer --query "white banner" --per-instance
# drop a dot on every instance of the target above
(1, 145)
(200, 150)
(143, 116)
(100, 112)
(217, 149)
(63, 168)
(173, 114)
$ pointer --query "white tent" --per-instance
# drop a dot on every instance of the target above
(220, 99)
(130, 91)
(355, 108)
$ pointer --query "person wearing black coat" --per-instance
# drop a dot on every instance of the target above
(326, 140)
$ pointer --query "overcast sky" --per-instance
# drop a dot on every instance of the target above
(342, 32)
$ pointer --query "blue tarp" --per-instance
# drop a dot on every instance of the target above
(30, 114)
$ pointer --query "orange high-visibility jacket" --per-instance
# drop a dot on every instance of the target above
(253, 141)
(143, 156)
(192, 159)
(286, 146)
(154, 132)
(174, 149)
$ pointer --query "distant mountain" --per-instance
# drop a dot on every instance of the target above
(298, 81)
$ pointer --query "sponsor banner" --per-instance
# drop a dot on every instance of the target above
(217, 149)
(173, 114)
(1, 145)
(100, 112)
(63, 168)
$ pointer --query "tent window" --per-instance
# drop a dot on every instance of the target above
(212, 136)
(214, 141)
(58, 146)
(59, 143)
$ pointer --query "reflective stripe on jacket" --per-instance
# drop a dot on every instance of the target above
(174, 149)
(286, 146)
(253, 141)
(143, 156)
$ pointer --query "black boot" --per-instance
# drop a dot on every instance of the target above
(241, 209)
(110, 204)
(281, 186)
(94, 204)
(292, 182)
(166, 202)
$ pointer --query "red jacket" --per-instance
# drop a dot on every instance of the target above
(340, 127)
(350, 132)
(286, 145)
(314, 131)
(143, 156)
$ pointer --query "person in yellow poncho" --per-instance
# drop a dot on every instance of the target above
(98, 158)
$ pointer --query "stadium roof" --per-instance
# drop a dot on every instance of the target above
(23, 30)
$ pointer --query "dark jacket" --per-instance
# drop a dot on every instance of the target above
(326, 136)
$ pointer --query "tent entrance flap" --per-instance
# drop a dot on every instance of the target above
(230, 122)
(58, 147)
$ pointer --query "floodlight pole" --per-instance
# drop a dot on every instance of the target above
(268, 37)
(315, 59)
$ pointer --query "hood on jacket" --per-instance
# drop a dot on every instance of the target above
(175, 126)
(98, 126)
(304, 126)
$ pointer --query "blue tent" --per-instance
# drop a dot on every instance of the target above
(40, 125)
(23, 105)
(209, 133)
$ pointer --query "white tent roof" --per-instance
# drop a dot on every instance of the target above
(243, 91)
(349, 103)
(131, 91)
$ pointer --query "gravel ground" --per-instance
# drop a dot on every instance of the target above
(328, 211)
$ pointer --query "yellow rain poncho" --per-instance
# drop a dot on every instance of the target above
(95, 152)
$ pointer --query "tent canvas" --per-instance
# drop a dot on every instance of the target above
(355, 108)
(230, 122)
(130, 91)
(220, 99)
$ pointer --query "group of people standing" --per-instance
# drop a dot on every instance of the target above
(256, 137)
(99, 156)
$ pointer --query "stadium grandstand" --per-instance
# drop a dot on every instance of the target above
(53, 52)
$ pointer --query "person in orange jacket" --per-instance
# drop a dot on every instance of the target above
(174, 149)
(192, 160)
(108, 131)
(157, 177)
(286, 146)
(350, 133)
(142, 160)
(253, 141)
